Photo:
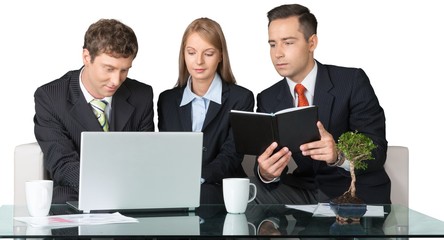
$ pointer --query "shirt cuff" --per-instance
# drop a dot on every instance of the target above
(276, 179)
(345, 165)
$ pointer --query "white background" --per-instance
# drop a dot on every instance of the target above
(398, 43)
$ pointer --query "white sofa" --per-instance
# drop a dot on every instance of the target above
(28, 165)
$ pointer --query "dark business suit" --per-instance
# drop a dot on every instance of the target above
(346, 102)
(62, 114)
(219, 157)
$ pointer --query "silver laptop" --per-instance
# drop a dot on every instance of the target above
(140, 171)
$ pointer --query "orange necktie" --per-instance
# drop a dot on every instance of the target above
(300, 90)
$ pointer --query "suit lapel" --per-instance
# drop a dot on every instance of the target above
(121, 106)
(184, 112)
(323, 99)
(284, 99)
(322, 96)
(214, 108)
(81, 110)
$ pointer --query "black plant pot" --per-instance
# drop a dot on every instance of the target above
(348, 212)
(354, 228)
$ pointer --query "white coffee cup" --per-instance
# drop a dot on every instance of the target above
(236, 224)
(38, 197)
(236, 194)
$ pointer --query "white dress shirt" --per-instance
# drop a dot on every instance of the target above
(89, 98)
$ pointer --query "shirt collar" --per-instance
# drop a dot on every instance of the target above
(309, 81)
(87, 95)
(213, 94)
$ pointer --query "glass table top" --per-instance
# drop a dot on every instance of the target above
(214, 221)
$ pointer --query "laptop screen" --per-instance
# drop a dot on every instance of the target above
(140, 170)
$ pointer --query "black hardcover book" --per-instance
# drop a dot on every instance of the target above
(254, 132)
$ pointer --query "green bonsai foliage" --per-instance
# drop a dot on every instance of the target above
(356, 147)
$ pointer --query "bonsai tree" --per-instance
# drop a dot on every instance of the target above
(356, 147)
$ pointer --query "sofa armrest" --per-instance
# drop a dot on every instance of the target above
(397, 168)
(28, 165)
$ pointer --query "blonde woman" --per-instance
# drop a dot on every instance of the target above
(205, 93)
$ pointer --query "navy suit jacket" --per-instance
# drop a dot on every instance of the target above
(62, 114)
(347, 102)
(219, 157)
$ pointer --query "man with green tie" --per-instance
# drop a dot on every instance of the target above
(97, 97)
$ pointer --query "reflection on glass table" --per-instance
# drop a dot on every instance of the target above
(214, 221)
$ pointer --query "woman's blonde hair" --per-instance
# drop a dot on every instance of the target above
(211, 32)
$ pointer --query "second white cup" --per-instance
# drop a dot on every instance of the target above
(236, 194)
(39, 197)
(236, 224)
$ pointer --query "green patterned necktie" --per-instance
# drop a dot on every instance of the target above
(98, 107)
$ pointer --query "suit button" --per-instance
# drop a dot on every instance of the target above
(204, 149)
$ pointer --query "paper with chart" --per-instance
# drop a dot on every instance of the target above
(70, 220)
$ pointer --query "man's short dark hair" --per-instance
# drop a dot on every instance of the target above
(307, 20)
(112, 37)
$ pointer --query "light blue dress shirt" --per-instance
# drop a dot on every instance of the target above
(200, 104)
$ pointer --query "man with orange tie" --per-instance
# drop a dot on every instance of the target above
(97, 97)
(346, 102)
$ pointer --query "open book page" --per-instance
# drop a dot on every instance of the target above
(57, 221)
(252, 113)
(292, 109)
(272, 114)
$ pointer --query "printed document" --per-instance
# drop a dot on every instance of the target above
(58, 221)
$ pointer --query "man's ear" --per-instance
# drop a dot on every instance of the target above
(313, 42)
(86, 57)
